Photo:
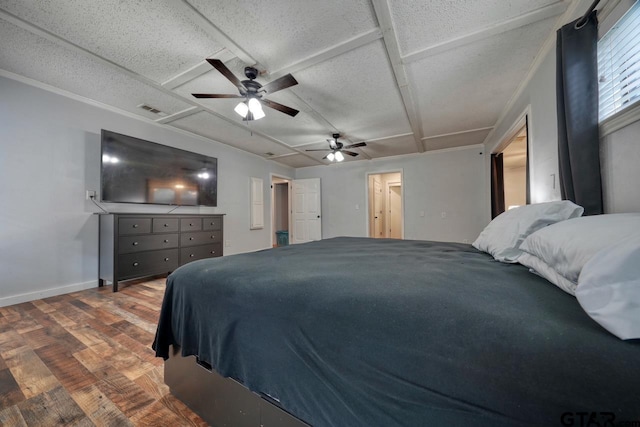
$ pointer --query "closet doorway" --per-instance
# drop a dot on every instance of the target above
(385, 205)
(280, 210)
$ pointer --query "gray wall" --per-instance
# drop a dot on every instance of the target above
(434, 183)
(49, 156)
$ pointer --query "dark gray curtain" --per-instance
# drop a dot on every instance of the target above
(528, 181)
(497, 185)
(577, 98)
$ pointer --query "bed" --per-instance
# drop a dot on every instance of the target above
(376, 332)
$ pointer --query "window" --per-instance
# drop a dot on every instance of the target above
(619, 64)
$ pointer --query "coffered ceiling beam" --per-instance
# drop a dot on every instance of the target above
(217, 34)
(383, 14)
(179, 115)
(442, 135)
(197, 70)
(537, 15)
(328, 53)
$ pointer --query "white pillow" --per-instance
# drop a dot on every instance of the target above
(537, 266)
(503, 236)
(566, 247)
(609, 288)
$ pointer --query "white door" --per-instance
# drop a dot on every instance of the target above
(395, 212)
(306, 210)
(378, 211)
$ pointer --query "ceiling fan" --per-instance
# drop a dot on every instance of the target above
(252, 92)
(337, 148)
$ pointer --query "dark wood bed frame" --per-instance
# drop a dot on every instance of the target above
(221, 402)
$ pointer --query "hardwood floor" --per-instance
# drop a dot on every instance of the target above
(85, 359)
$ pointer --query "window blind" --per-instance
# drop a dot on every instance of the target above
(619, 64)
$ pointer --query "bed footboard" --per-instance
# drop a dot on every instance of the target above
(221, 402)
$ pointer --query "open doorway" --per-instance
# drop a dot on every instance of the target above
(385, 212)
(515, 171)
(509, 174)
(280, 209)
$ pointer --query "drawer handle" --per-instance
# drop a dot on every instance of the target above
(166, 241)
(191, 256)
(213, 252)
(190, 238)
(166, 259)
(135, 243)
(135, 264)
(190, 225)
(213, 237)
(135, 225)
(166, 225)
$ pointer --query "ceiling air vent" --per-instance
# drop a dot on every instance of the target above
(152, 110)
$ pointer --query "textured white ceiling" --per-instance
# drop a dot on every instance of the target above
(151, 37)
(279, 33)
(422, 24)
(66, 69)
(356, 92)
(468, 87)
(122, 52)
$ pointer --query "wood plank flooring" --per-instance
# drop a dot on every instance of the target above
(85, 359)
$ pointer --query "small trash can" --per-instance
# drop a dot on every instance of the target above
(282, 238)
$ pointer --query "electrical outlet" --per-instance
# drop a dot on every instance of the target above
(357, 206)
(227, 243)
(90, 194)
(443, 214)
(421, 213)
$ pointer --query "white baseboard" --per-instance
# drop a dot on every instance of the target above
(45, 293)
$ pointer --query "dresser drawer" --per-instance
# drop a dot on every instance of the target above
(200, 238)
(200, 252)
(145, 263)
(134, 226)
(212, 223)
(165, 225)
(148, 242)
(190, 224)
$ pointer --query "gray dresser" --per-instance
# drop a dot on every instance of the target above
(138, 245)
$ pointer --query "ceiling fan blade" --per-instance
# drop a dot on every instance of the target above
(351, 153)
(318, 150)
(215, 95)
(356, 145)
(282, 108)
(219, 65)
(279, 84)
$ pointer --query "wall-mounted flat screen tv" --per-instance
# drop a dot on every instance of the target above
(137, 171)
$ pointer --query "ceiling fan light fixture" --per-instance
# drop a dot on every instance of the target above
(330, 157)
(242, 109)
(256, 108)
(339, 156)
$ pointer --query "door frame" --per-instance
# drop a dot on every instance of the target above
(388, 186)
(524, 120)
(273, 205)
(366, 196)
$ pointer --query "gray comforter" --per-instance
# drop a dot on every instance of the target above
(364, 332)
